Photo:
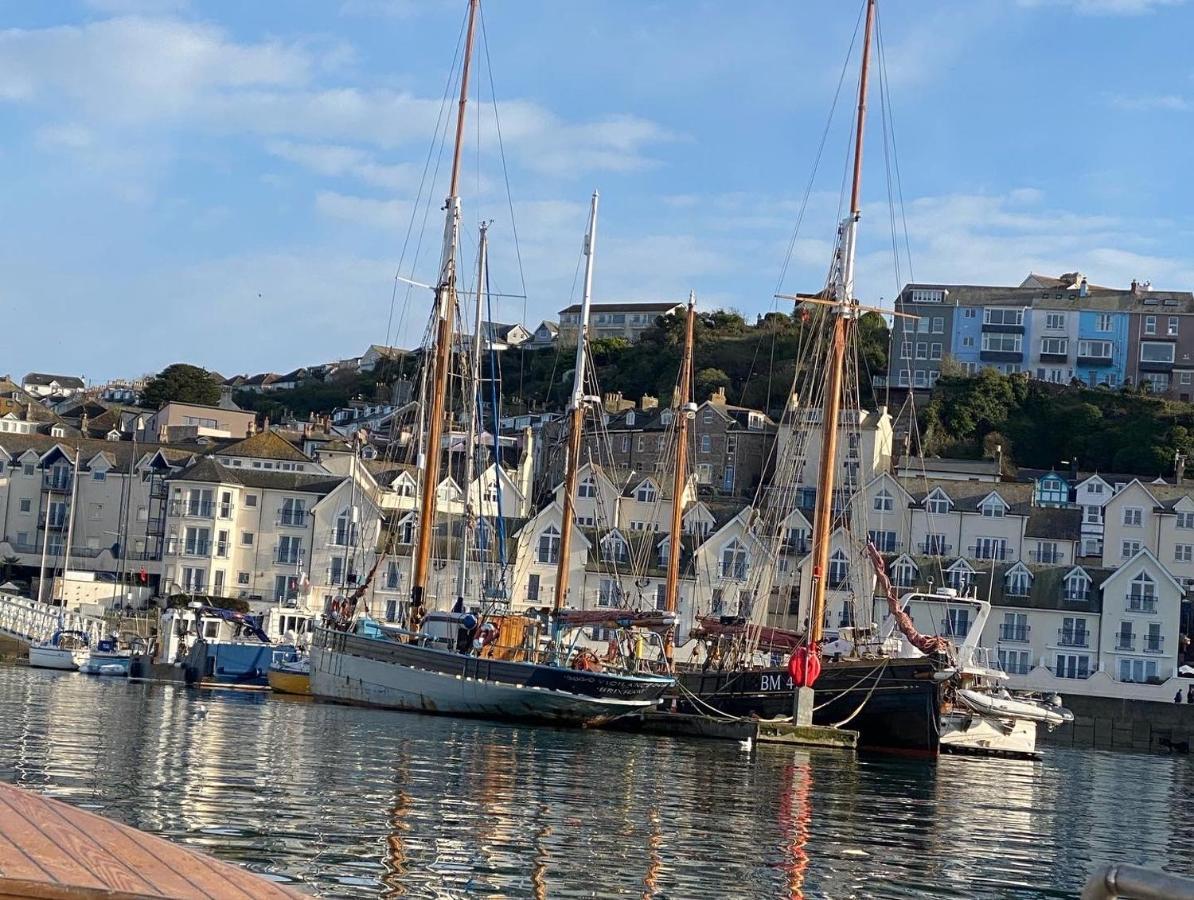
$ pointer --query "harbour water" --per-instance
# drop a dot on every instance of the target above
(347, 802)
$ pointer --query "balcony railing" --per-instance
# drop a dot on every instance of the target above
(934, 548)
(796, 545)
(195, 509)
(1075, 673)
(985, 551)
(1125, 641)
(1014, 633)
(52, 523)
(226, 510)
(196, 548)
(1153, 644)
(1076, 596)
(1067, 638)
(292, 518)
(954, 628)
(1142, 604)
(291, 556)
(1046, 557)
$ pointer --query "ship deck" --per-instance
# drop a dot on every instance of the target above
(51, 850)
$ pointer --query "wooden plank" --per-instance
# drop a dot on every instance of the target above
(49, 849)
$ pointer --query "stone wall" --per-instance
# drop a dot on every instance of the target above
(1105, 723)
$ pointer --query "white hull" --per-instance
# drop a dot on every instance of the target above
(106, 664)
(60, 658)
(354, 679)
(1014, 707)
(967, 732)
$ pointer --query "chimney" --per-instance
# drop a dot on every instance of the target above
(265, 424)
(1135, 286)
(251, 429)
(1179, 465)
(718, 397)
(1083, 288)
(648, 402)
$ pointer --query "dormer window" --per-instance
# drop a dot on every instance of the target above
(614, 548)
(549, 546)
(1077, 585)
(937, 503)
(993, 507)
(884, 501)
(1019, 582)
(588, 488)
(646, 493)
(904, 573)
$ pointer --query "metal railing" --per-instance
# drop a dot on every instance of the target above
(987, 551)
(954, 628)
(1141, 604)
(57, 483)
(1136, 883)
(1153, 644)
(289, 557)
(1014, 633)
(295, 518)
(934, 548)
(1080, 596)
(1125, 641)
(1045, 557)
(195, 509)
(196, 548)
(1070, 638)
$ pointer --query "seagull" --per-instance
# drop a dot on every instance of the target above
(747, 745)
(201, 712)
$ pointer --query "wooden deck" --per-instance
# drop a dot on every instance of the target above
(53, 851)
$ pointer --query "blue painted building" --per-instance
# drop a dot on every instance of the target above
(1102, 351)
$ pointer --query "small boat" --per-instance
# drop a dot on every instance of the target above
(65, 650)
(108, 657)
(291, 676)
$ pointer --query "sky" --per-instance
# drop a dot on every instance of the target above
(236, 185)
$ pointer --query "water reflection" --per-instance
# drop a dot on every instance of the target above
(357, 803)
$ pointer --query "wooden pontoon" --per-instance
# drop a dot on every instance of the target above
(53, 851)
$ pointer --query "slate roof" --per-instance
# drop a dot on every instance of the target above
(209, 470)
(1046, 592)
(264, 445)
(120, 453)
(1054, 523)
(42, 379)
(1097, 298)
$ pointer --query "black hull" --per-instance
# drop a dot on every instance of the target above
(900, 702)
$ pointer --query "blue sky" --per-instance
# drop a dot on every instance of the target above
(230, 183)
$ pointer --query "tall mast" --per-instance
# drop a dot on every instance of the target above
(576, 413)
(70, 521)
(844, 313)
(470, 449)
(445, 303)
(679, 476)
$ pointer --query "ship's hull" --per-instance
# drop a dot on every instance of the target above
(283, 682)
(99, 662)
(61, 658)
(381, 672)
(893, 704)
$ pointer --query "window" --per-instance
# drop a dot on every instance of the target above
(1142, 595)
(1077, 586)
(625, 443)
(26, 505)
(289, 550)
(1055, 321)
(990, 548)
(1072, 666)
(250, 499)
(27, 469)
(998, 316)
(1019, 583)
(1047, 553)
(196, 541)
(906, 350)
(993, 508)
(549, 546)
(884, 541)
(920, 380)
(1172, 329)
(533, 588)
(1156, 351)
(646, 493)
(614, 548)
(884, 501)
(1150, 324)
(1015, 662)
(1095, 349)
(922, 351)
(1003, 343)
(609, 593)
(1137, 670)
(661, 596)
(99, 475)
(938, 325)
(242, 578)
(1185, 520)
(735, 563)
(1092, 515)
(1133, 516)
(246, 539)
(934, 351)
(959, 577)
(588, 488)
(717, 606)
(706, 443)
(839, 569)
(1055, 346)
(1103, 322)
(937, 504)
(935, 545)
(225, 504)
(957, 622)
(905, 573)
(1183, 553)
(1186, 377)
(969, 314)
(922, 325)
(968, 341)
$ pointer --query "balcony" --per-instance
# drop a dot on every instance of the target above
(226, 510)
(1046, 557)
(1001, 356)
(1141, 604)
(954, 628)
(986, 551)
(1066, 638)
(1095, 361)
(1003, 328)
(196, 548)
(192, 509)
(1076, 596)
(796, 545)
(289, 556)
(292, 518)
(934, 548)
(1153, 365)
(1014, 634)
(1054, 357)
(1125, 641)
(58, 483)
(52, 523)
(1153, 643)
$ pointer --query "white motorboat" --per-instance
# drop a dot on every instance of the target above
(108, 657)
(65, 651)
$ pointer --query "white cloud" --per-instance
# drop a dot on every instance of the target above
(1107, 7)
(372, 213)
(1171, 102)
(339, 161)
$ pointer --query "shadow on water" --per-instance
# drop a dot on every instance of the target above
(348, 802)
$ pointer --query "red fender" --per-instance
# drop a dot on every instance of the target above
(804, 667)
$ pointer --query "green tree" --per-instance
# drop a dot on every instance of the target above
(182, 383)
(708, 381)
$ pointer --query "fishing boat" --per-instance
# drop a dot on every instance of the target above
(290, 676)
(473, 662)
(65, 650)
(110, 656)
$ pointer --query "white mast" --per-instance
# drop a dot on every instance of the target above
(470, 450)
(70, 520)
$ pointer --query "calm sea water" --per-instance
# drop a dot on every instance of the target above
(348, 802)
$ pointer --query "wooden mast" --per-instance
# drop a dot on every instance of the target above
(471, 514)
(576, 415)
(445, 302)
(680, 475)
(844, 313)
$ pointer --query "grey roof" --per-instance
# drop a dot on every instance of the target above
(121, 453)
(949, 464)
(1047, 590)
(968, 494)
(661, 307)
(44, 380)
(1054, 523)
(1097, 298)
(300, 482)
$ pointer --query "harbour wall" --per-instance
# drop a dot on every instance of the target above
(1106, 723)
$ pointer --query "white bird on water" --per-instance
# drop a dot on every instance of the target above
(201, 712)
(747, 745)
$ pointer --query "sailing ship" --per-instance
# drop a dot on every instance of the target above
(484, 663)
(65, 650)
